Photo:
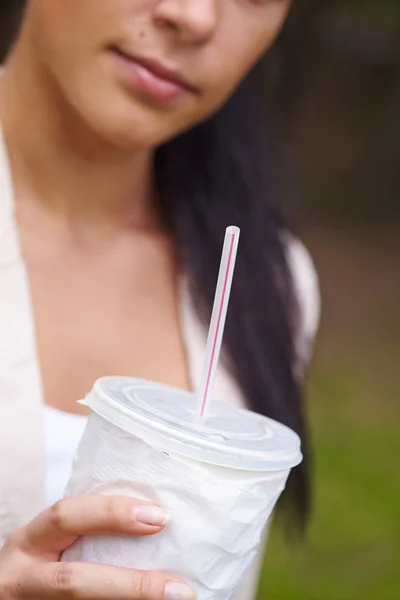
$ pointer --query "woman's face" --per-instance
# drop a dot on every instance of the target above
(141, 71)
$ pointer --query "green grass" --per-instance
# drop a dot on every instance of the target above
(353, 547)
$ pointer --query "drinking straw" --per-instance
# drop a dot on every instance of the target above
(217, 324)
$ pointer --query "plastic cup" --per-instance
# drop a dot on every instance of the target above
(220, 480)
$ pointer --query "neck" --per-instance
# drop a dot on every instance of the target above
(58, 161)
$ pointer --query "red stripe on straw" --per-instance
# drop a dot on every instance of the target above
(203, 405)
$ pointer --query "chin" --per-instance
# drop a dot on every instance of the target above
(126, 122)
(130, 134)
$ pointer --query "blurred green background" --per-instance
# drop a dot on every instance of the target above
(333, 84)
(335, 79)
(353, 546)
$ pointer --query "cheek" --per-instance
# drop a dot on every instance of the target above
(57, 30)
(70, 27)
(228, 72)
(242, 41)
(61, 14)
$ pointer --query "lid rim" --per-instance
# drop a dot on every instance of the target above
(102, 402)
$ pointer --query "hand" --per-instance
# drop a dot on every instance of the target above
(29, 561)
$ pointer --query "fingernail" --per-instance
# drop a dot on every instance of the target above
(179, 591)
(151, 515)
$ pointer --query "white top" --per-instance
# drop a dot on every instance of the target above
(62, 434)
(29, 433)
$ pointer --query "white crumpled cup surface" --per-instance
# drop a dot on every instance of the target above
(218, 514)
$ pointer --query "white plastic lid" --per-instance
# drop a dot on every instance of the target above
(165, 417)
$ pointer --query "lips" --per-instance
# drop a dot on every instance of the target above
(153, 77)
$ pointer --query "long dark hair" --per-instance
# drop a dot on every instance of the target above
(224, 172)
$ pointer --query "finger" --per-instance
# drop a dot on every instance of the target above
(58, 527)
(87, 581)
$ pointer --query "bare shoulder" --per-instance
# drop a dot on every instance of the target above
(306, 286)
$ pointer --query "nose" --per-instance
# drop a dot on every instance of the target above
(194, 21)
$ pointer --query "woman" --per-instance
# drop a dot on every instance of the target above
(130, 140)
